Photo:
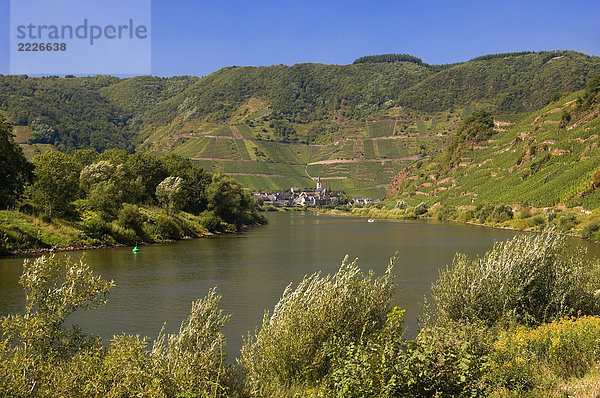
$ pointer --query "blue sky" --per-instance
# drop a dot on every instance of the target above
(199, 37)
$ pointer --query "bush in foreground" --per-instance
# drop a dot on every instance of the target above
(312, 326)
(528, 280)
(40, 357)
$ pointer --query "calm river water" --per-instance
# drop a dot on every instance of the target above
(252, 269)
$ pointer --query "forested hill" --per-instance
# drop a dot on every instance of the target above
(104, 111)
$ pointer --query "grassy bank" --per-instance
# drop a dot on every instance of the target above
(22, 233)
(568, 221)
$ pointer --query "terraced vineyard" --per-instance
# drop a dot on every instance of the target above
(547, 158)
(361, 166)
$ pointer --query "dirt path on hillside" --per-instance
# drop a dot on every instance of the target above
(337, 161)
(259, 175)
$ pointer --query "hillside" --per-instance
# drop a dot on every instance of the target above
(504, 83)
(279, 126)
(541, 159)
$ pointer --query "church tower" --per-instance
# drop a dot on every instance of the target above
(319, 186)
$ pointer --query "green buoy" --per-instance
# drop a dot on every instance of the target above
(135, 249)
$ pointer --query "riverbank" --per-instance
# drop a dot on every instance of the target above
(25, 234)
(574, 222)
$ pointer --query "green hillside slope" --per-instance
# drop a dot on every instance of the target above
(503, 82)
(278, 126)
(548, 158)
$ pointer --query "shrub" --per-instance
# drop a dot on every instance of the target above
(525, 213)
(94, 226)
(211, 222)
(529, 280)
(39, 356)
(191, 361)
(483, 212)
(312, 325)
(590, 230)
(167, 228)
(466, 215)
(502, 213)
(566, 221)
(121, 234)
(421, 209)
(401, 204)
(445, 212)
(537, 220)
(372, 367)
(447, 360)
(130, 217)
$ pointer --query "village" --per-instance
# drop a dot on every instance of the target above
(321, 196)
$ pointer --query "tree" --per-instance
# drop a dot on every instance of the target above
(56, 181)
(95, 173)
(228, 199)
(15, 170)
(85, 156)
(195, 181)
(149, 168)
(106, 198)
(115, 156)
(284, 131)
(170, 193)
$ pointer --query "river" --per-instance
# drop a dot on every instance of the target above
(251, 269)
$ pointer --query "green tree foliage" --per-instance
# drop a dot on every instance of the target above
(130, 217)
(284, 131)
(477, 127)
(421, 209)
(54, 289)
(115, 156)
(56, 181)
(106, 198)
(170, 193)
(501, 55)
(505, 83)
(106, 202)
(389, 58)
(529, 280)
(191, 362)
(95, 173)
(105, 112)
(312, 324)
(229, 200)
(148, 169)
(195, 182)
(15, 170)
(85, 156)
(590, 96)
(98, 112)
